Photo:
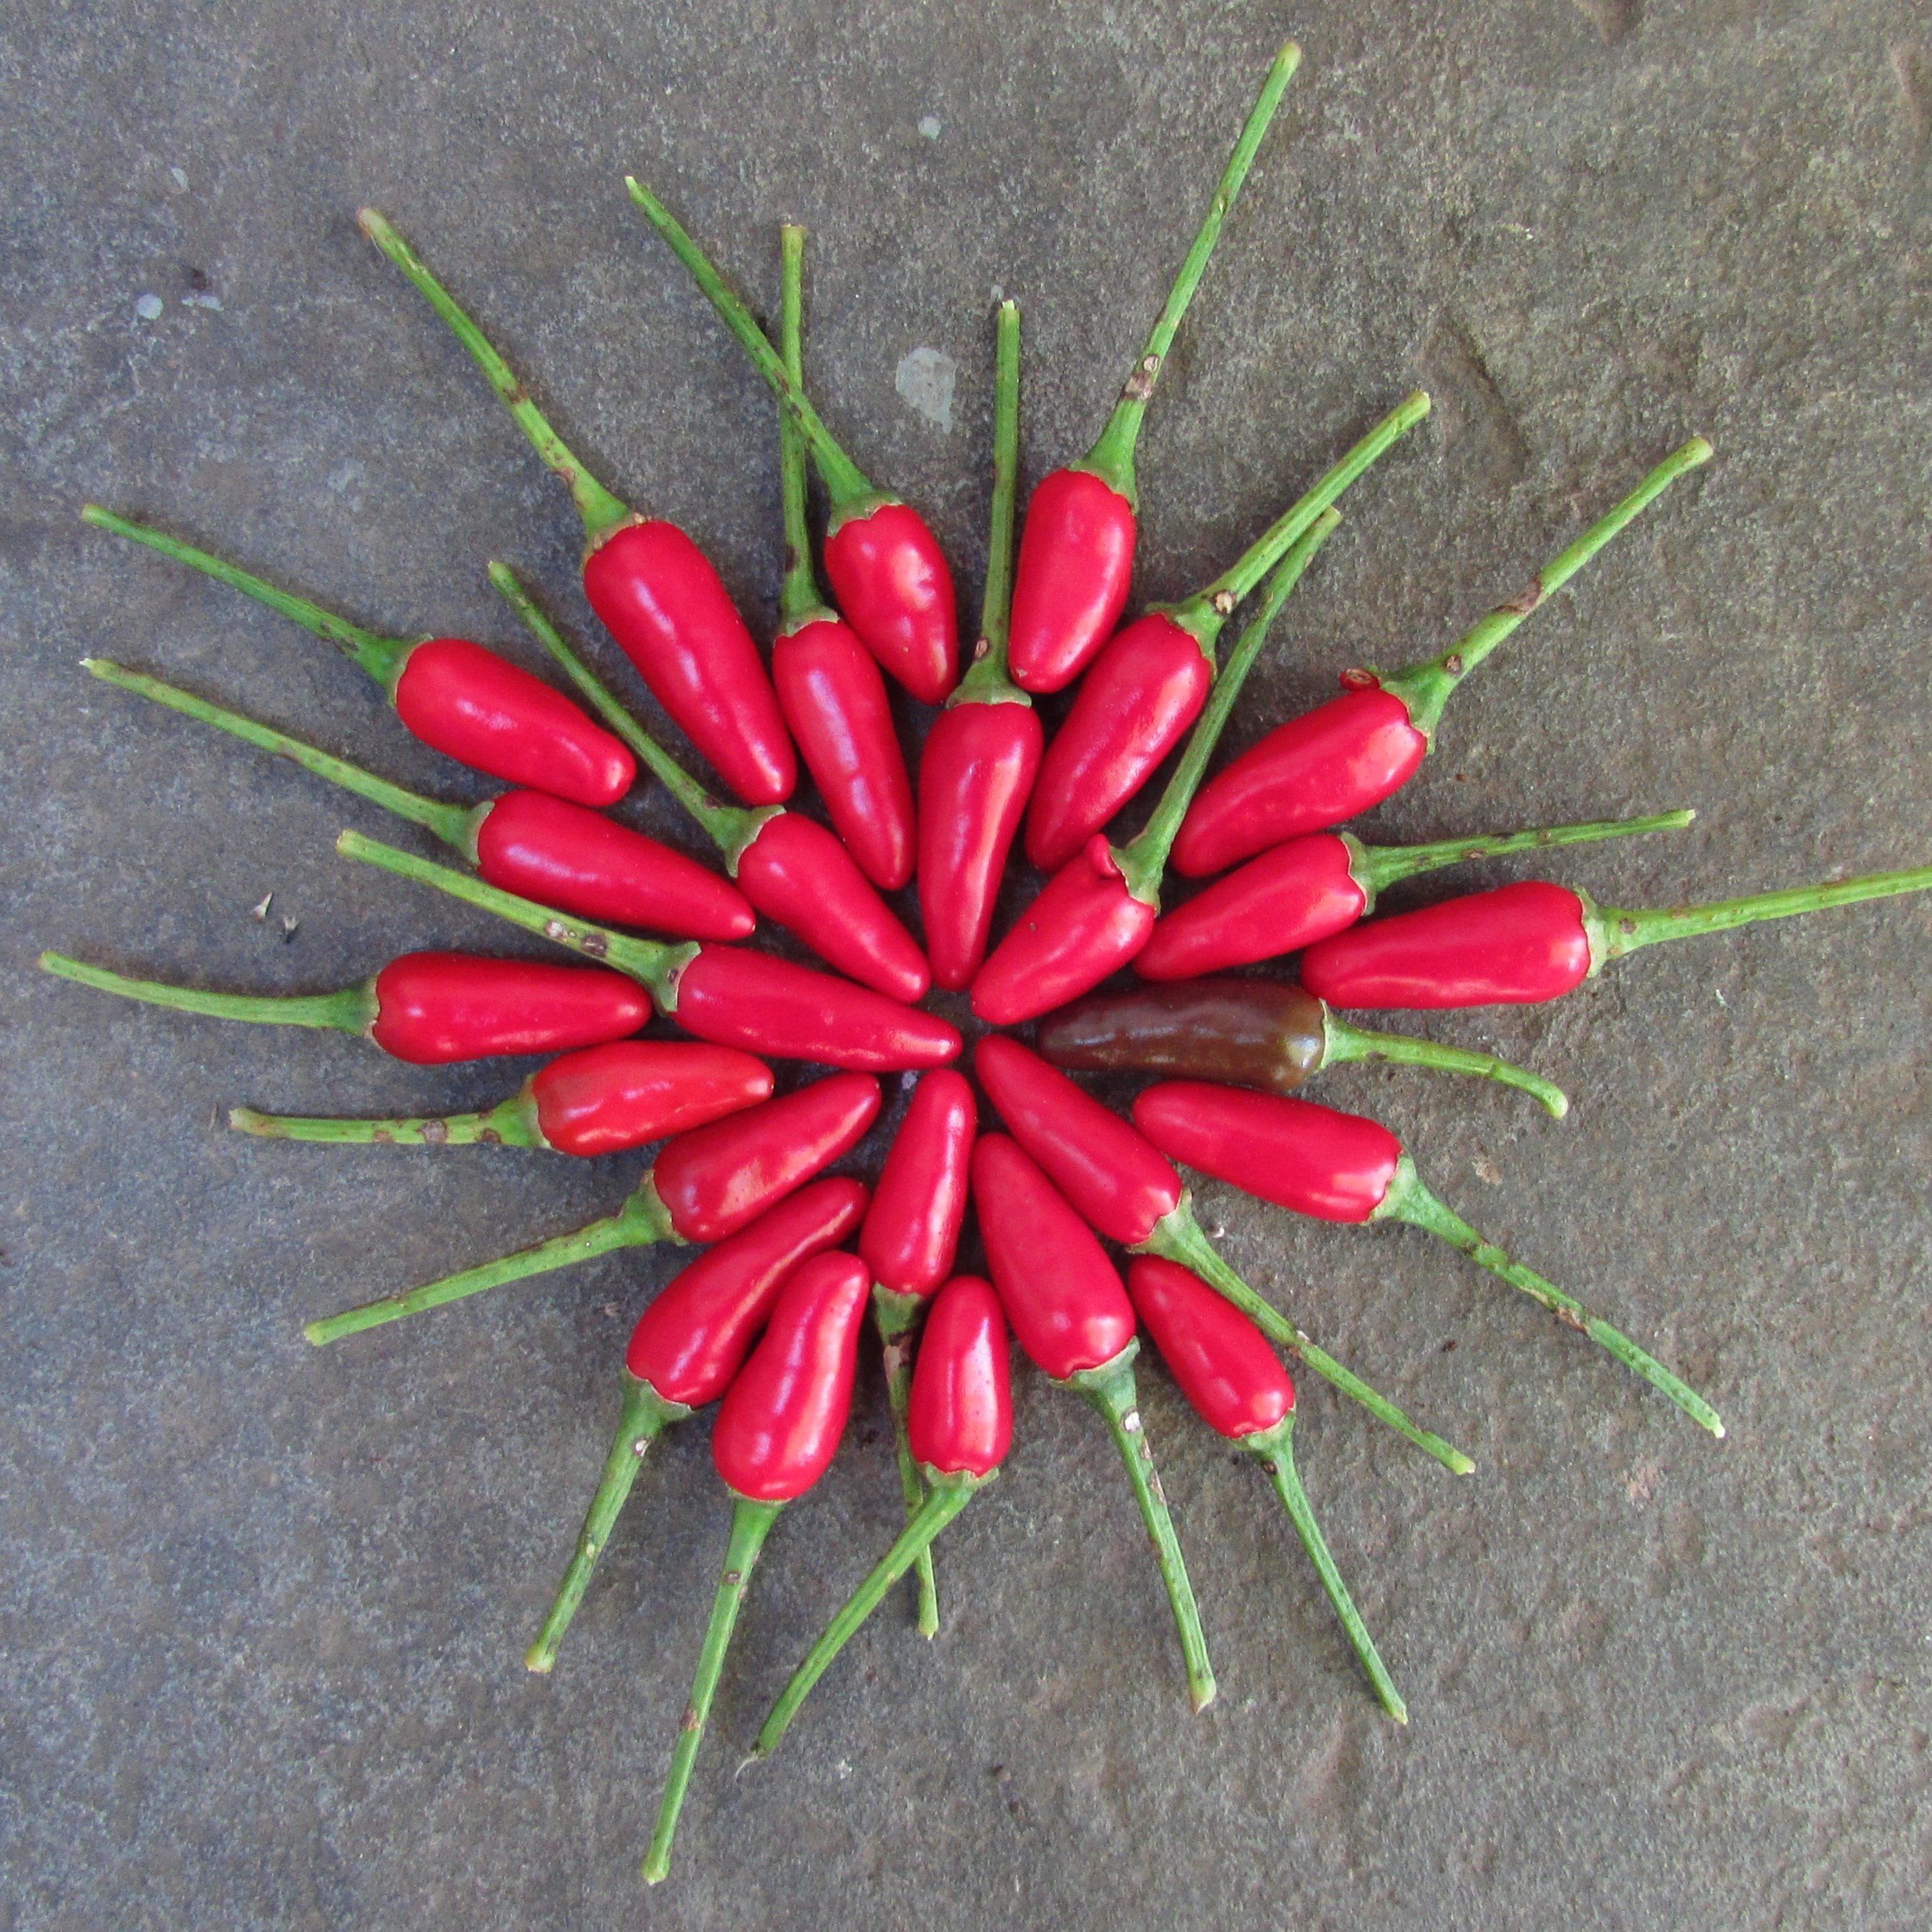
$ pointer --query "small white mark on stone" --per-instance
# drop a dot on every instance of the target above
(999, 292)
(343, 475)
(181, 178)
(929, 126)
(925, 382)
(290, 926)
(1721, 1000)
(148, 307)
(202, 301)
(843, 1768)
(261, 911)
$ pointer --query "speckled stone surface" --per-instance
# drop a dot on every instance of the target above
(265, 1607)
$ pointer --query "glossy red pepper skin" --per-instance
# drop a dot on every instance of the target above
(714, 1181)
(658, 594)
(797, 873)
(833, 697)
(1116, 1180)
(1059, 1290)
(1313, 772)
(1232, 1379)
(975, 775)
(565, 856)
(1301, 891)
(919, 1204)
(434, 1008)
(1076, 562)
(779, 1424)
(606, 1099)
(890, 580)
(1517, 945)
(470, 704)
(768, 1005)
(1084, 925)
(1146, 688)
(1310, 1158)
(692, 1339)
(960, 1419)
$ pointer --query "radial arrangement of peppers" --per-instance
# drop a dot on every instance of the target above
(1004, 1198)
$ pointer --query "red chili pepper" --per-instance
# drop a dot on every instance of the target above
(1096, 913)
(685, 1348)
(1078, 555)
(1350, 754)
(888, 573)
(1308, 888)
(962, 1426)
(1340, 1167)
(1149, 684)
(1230, 1376)
(656, 592)
(777, 1429)
(1523, 944)
(458, 698)
(707, 1185)
(427, 1008)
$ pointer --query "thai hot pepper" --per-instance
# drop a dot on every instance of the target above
(427, 1008)
(724, 994)
(961, 1425)
(705, 1185)
(778, 1427)
(1120, 1183)
(1248, 1033)
(1523, 944)
(1340, 1167)
(908, 1244)
(829, 686)
(685, 1348)
(788, 866)
(656, 592)
(889, 576)
(1096, 913)
(547, 848)
(977, 767)
(1308, 888)
(1352, 752)
(458, 698)
(1073, 1317)
(1232, 1380)
(1078, 556)
(1149, 684)
(600, 1099)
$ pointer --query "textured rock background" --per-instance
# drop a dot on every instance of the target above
(264, 1607)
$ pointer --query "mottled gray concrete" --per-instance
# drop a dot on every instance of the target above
(264, 1607)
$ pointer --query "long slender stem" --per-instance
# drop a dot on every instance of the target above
(1341, 1043)
(1111, 458)
(380, 657)
(351, 1010)
(1617, 930)
(454, 824)
(986, 681)
(646, 1414)
(799, 598)
(897, 1316)
(1275, 1451)
(750, 1524)
(1179, 1236)
(1408, 1200)
(602, 513)
(1377, 867)
(1109, 1390)
(513, 1124)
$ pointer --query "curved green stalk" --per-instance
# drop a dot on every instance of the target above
(1375, 868)
(511, 1124)
(800, 601)
(986, 681)
(351, 1010)
(1343, 1043)
(897, 1316)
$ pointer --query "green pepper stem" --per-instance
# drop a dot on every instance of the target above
(1178, 1236)
(1341, 1042)
(950, 1494)
(380, 658)
(986, 681)
(1143, 861)
(1615, 930)
(351, 1010)
(1425, 687)
(800, 601)
(1274, 1449)
(843, 480)
(639, 1222)
(646, 1414)
(512, 1124)
(750, 1524)
(1109, 1390)
(1408, 1200)
(602, 513)
(897, 1315)
(1375, 868)
(1111, 458)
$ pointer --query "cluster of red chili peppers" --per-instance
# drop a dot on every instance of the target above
(766, 1322)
